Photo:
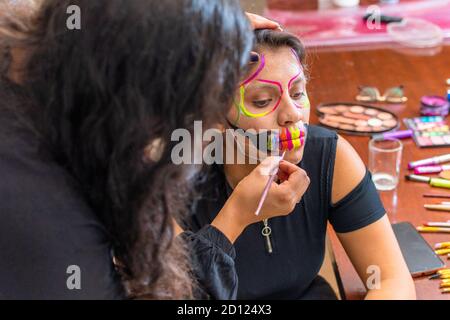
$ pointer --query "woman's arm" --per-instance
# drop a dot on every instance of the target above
(372, 245)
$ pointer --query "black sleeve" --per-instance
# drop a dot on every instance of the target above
(358, 209)
(49, 237)
(212, 256)
(49, 259)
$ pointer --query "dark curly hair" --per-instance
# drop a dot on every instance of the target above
(104, 97)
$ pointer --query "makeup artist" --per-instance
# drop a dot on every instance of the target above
(88, 192)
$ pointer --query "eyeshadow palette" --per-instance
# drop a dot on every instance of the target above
(359, 119)
(429, 131)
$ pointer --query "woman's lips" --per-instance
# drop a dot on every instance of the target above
(292, 138)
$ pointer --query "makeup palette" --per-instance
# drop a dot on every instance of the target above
(429, 131)
(358, 119)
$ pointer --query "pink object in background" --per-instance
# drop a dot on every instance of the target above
(334, 27)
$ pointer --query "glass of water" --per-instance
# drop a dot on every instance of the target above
(385, 156)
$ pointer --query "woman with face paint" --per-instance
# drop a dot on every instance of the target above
(280, 258)
(88, 190)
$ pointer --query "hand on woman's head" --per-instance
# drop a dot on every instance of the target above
(259, 22)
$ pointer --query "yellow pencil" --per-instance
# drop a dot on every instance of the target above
(442, 251)
(441, 245)
(445, 290)
(433, 229)
(443, 271)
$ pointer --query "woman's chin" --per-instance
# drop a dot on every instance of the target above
(294, 156)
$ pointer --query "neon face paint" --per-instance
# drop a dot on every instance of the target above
(287, 138)
(242, 109)
(276, 141)
(304, 101)
(292, 138)
(256, 73)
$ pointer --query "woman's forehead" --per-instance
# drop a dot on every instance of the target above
(281, 64)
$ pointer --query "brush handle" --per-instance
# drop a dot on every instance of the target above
(266, 188)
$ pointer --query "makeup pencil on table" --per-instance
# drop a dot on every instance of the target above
(434, 182)
(440, 276)
(436, 195)
(440, 273)
(437, 224)
(440, 245)
(442, 251)
(443, 271)
(429, 161)
(433, 229)
(431, 169)
(437, 207)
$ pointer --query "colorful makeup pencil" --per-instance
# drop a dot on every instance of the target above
(433, 229)
(437, 224)
(440, 245)
(403, 134)
(443, 271)
(436, 207)
(429, 161)
(431, 169)
(442, 252)
(436, 195)
(434, 182)
(439, 276)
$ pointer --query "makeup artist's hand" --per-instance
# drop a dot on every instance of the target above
(259, 22)
(239, 210)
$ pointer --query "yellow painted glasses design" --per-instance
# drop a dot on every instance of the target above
(272, 105)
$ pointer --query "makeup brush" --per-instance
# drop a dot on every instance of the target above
(267, 187)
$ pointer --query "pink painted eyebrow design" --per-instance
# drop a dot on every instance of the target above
(258, 71)
(293, 78)
(296, 55)
(277, 83)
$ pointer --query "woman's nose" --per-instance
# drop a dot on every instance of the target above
(289, 113)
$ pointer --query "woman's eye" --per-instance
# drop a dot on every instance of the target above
(262, 103)
(297, 95)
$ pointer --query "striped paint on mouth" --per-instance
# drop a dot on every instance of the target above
(291, 138)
